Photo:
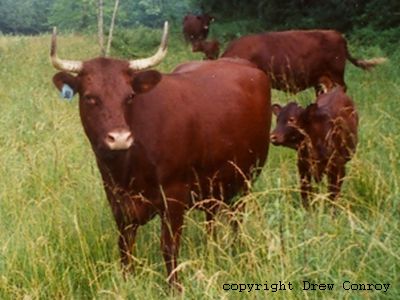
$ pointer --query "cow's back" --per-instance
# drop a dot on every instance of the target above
(342, 127)
(338, 104)
(209, 119)
(294, 59)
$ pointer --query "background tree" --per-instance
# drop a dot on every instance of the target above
(362, 18)
(111, 30)
(100, 24)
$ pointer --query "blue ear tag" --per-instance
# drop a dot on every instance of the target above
(67, 92)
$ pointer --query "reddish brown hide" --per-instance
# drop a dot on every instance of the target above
(298, 59)
(324, 135)
(165, 142)
(209, 48)
(196, 27)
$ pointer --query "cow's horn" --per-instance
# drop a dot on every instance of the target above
(73, 66)
(144, 63)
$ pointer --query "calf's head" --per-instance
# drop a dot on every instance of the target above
(107, 88)
(287, 131)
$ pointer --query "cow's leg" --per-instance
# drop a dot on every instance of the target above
(335, 179)
(305, 188)
(126, 227)
(171, 230)
(305, 180)
(127, 237)
(338, 79)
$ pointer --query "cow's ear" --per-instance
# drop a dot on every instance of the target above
(276, 109)
(66, 84)
(144, 81)
(63, 78)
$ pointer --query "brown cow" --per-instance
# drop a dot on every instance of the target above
(209, 48)
(165, 142)
(298, 59)
(324, 135)
(196, 27)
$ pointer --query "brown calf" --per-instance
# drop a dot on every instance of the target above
(209, 48)
(324, 135)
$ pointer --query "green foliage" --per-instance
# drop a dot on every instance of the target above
(135, 43)
(387, 39)
(379, 25)
(343, 15)
(227, 31)
(20, 16)
(73, 15)
(381, 14)
(152, 13)
(36, 16)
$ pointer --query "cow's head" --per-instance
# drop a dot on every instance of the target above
(106, 89)
(207, 19)
(287, 131)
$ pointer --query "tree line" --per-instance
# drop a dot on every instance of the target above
(37, 16)
(365, 16)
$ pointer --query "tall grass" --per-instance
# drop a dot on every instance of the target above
(57, 234)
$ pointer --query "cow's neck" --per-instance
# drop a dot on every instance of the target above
(130, 170)
(115, 168)
(127, 190)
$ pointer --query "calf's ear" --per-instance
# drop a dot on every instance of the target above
(144, 81)
(276, 109)
(63, 78)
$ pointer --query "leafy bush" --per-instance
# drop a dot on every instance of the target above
(135, 43)
(386, 39)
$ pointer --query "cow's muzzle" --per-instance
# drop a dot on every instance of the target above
(119, 140)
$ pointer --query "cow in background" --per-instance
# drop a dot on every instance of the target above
(196, 27)
(324, 134)
(297, 59)
(165, 142)
(209, 48)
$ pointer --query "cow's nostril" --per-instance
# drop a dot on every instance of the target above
(119, 140)
(110, 138)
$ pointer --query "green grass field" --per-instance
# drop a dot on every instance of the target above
(58, 239)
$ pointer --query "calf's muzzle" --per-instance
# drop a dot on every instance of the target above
(275, 139)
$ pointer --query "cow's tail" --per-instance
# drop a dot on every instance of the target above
(366, 64)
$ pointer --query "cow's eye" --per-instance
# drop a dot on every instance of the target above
(129, 99)
(89, 99)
